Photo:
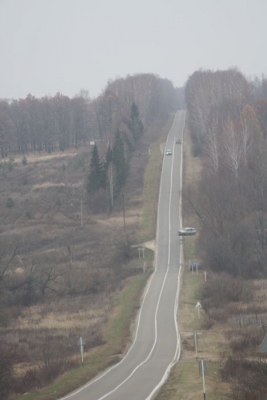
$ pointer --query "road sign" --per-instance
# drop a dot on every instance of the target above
(193, 265)
(143, 251)
(198, 306)
(81, 342)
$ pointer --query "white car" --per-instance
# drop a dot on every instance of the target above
(187, 232)
(168, 152)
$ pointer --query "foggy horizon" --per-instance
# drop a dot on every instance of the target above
(65, 45)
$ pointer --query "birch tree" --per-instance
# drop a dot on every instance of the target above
(111, 179)
(232, 147)
(210, 144)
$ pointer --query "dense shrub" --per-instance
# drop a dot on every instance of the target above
(248, 379)
(6, 371)
(10, 202)
(222, 289)
(246, 339)
(24, 161)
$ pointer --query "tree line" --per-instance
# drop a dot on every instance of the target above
(227, 117)
(228, 121)
(43, 124)
(60, 122)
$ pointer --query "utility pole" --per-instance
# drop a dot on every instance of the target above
(82, 210)
(123, 208)
(82, 204)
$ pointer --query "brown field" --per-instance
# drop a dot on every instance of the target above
(88, 261)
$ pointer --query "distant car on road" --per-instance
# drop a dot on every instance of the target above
(168, 152)
(178, 141)
(187, 232)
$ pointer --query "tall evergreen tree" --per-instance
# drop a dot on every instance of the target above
(111, 179)
(120, 162)
(136, 125)
(96, 175)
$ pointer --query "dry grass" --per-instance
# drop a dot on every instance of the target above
(105, 283)
(186, 377)
(44, 224)
(65, 316)
(42, 156)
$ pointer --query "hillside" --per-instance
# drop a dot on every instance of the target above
(58, 276)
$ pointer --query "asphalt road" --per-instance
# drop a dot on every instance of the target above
(156, 345)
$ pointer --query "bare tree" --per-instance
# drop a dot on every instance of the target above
(233, 147)
(210, 144)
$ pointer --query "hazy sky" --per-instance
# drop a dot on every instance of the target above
(48, 46)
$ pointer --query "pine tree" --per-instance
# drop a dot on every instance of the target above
(96, 175)
(136, 125)
(111, 179)
(120, 162)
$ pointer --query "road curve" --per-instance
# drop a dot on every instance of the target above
(156, 345)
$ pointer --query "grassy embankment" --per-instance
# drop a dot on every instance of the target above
(184, 382)
(118, 332)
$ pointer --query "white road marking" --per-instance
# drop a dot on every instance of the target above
(123, 359)
(178, 346)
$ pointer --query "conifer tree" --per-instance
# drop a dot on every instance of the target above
(110, 179)
(120, 162)
(135, 125)
(96, 175)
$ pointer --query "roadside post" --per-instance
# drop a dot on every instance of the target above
(198, 306)
(195, 336)
(81, 343)
(202, 368)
